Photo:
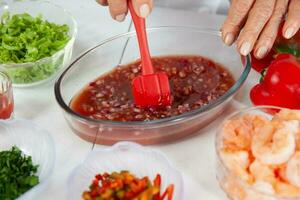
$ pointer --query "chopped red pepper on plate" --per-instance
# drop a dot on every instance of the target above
(125, 186)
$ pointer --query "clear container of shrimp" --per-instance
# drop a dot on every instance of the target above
(258, 154)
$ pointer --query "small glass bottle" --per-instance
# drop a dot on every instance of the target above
(6, 96)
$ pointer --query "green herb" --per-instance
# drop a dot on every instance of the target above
(263, 74)
(293, 49)
(17, 174)
(24, 38)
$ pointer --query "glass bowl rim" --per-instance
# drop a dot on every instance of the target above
(236, 178)
(187, 115)
(44, 60)
(5, 77)
(133, 146)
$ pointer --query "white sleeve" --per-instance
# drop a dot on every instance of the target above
(212, 6)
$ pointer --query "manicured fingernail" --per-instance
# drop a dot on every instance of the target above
(229, 38)
(245, 48)
(121, 17)
(144, 10)
(261, 52)
(290, 32)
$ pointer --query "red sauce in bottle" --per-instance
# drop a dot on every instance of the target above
(6, 107)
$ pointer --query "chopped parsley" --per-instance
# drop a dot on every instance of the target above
(17, 173)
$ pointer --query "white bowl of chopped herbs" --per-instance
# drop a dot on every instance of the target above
(27, 157)
(36, 41)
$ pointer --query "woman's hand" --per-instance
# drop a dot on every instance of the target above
(255, 23)
(118, 8)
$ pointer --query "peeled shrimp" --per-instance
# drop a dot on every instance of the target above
(263, 187)
(234, 189)
(281, 172)
(256, 120)
(237, 133)
(293, 170)
(286, 115)
(262, 172)
(297, 139)
(264, 190)
(275, 145)
(237, 162)
(286, 190)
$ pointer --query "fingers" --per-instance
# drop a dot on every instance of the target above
(292, 23)
(102, 2)
(257, 19)
(142, 7)
(118, 9)
(269, 33)
(237, 13)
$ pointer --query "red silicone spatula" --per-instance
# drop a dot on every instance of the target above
(150, 89)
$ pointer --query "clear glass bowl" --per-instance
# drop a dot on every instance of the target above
(34, 142)
(123, 49)
(232, 185)
(24, 74)
(140, 161)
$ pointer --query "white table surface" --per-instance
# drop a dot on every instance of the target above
(193, 156)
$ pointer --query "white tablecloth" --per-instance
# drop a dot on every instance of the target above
(193, 156)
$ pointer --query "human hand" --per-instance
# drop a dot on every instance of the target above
(255, 23)
(118, 8)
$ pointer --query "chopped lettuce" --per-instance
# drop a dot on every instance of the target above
(25, 38)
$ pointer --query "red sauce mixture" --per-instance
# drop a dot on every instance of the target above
(6, 107)
(195, 81)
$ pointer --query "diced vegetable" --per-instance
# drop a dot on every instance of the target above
(125, 186)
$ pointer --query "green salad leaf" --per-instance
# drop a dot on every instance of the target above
(24, 39)
(17, 174)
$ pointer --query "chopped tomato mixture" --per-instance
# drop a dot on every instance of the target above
(126, 186)
(195, 82)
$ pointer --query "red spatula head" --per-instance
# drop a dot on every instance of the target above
(152, 90)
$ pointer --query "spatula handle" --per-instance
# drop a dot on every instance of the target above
(140, 28)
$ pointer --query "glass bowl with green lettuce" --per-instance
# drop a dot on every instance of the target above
(36, 41)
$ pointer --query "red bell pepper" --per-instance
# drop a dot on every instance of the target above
(282, 45)
(283, 76)
(281, 84)
(260, 64)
